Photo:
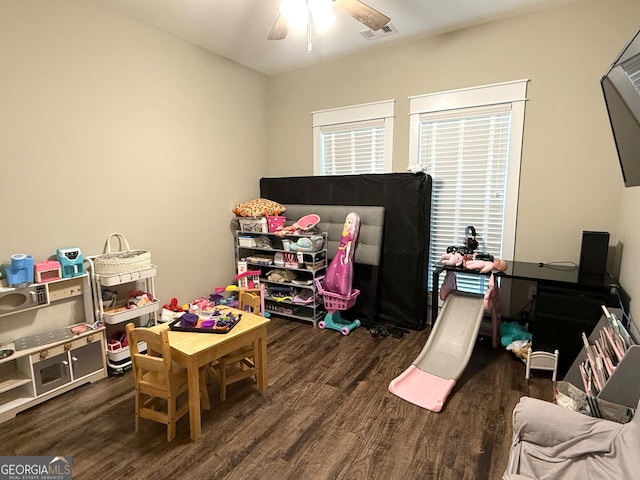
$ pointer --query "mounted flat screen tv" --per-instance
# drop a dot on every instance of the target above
(621, 88)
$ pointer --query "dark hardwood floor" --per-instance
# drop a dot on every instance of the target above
(327, 414)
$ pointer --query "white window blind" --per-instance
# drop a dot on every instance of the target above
(467, 155)
(471, 141)
(353, 148)
(353, 140)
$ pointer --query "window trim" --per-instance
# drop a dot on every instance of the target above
(375, 111)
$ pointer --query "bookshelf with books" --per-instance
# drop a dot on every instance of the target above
(607, 366)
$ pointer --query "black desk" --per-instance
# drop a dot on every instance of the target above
(567, 303)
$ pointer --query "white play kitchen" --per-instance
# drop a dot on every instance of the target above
(60, 319)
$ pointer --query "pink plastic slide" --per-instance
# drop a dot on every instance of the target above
(433, 374)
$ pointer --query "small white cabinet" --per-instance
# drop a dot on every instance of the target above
(288, 268)
(49, 363)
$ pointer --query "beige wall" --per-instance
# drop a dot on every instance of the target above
(109, 125)
(570, 180)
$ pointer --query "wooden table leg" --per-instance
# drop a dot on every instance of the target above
(262, 354)
(194, 398)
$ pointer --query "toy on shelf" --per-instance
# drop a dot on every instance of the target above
(139, 298)
(71, 261)
(336, 285)
(20, 270)
(47, 271)
(304, 224)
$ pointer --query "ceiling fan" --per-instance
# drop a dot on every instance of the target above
(305, 9)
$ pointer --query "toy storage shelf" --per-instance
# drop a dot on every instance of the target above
(295, 271)
(114, 316)
(49, 363)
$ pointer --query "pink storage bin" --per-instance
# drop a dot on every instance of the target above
(275, 223)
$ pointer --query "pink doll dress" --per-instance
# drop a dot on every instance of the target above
(339, 276)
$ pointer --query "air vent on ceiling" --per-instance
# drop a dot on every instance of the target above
(385, 31)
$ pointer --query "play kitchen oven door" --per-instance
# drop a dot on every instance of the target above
(50, 372)
(62, 364)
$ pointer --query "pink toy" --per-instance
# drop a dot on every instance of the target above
(448, 285)
(306, 223)
(339, 276)
(452, 259)
(485, 266)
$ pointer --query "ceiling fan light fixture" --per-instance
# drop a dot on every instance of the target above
(296, 13)
(322, 13)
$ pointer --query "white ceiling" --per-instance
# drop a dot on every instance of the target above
(238, 29)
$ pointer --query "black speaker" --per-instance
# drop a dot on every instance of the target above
(593, 254)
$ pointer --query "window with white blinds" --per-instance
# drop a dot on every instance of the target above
(472, 152)
(353, 140)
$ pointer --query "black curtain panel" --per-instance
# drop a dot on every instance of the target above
(400, 298)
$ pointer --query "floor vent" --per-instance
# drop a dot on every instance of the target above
(385, 31)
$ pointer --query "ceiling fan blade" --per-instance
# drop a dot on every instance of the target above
(363, 13)
(279, 30)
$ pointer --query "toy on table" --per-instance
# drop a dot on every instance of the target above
(454, 259)
(486, 266)
(336, 285)
(473, 262)
(173, 306)
(225, 296)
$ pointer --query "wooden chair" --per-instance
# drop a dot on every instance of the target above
(250, 301)
(241, 363)
(158, 381)
(236, 366)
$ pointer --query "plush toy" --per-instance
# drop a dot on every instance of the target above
(512, 331)
(454, 259)
(486, 266)
(520, 348)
